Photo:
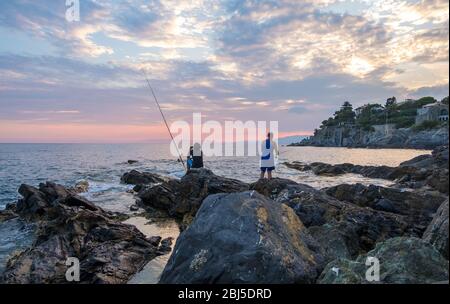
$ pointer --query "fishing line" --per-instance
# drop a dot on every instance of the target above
(165, 121)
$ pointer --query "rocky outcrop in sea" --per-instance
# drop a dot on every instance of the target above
(70, 226)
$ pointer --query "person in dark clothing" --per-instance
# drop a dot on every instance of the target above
(195, 158)
(189, 160)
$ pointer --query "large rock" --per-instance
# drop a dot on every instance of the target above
(437, 231)
(402, 260)
(314, 207)
(135, 177)
(437, 160)
(418, 206)
(343, 228)
(435, 168)
(325, 169)
(70, 226)
(182, 198)
(244, 238)
(382, 172)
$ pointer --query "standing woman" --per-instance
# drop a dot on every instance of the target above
(268, 150)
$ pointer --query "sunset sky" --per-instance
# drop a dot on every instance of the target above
(285, 60)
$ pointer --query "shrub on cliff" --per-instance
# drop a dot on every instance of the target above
(426, 125)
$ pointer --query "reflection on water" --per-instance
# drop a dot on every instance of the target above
(164, 228)
(367, 157)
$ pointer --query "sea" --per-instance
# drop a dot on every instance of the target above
(102, 165)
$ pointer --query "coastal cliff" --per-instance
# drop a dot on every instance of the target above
(417, 124)
(381, 136)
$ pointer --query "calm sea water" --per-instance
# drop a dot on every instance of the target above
(103, 165)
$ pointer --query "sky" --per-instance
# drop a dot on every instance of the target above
(289, 61)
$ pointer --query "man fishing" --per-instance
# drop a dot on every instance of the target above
(195, 158)
(268, 150)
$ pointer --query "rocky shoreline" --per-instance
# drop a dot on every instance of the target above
(67, 225)
(269, 231)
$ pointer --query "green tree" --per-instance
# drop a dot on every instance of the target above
(345, 114)
(390, 102)
(369, 116)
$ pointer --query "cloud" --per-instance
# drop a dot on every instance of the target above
(267, 59)
(439, 91)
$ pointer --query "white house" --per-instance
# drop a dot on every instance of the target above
(437, 111)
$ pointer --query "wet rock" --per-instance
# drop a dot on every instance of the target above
(141, 178)
(182, 198)
(244, 238)
(327, 169)
(134, 208)
(137, 188)
(402, 261)
(439, 158)
(324, 169)
(154, 240)
(70, 226)
(437, 231)
(422, 161)
(6, 215)
(81, 187)
(166, 245)
(132, 161)
(300, 166)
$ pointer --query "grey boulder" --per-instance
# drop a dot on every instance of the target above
(244, 238)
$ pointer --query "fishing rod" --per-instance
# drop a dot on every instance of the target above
(180, 158)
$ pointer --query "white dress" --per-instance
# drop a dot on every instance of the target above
(268, 150)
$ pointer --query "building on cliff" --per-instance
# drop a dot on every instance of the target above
(437, 111)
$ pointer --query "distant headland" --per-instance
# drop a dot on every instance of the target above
(417, 124)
